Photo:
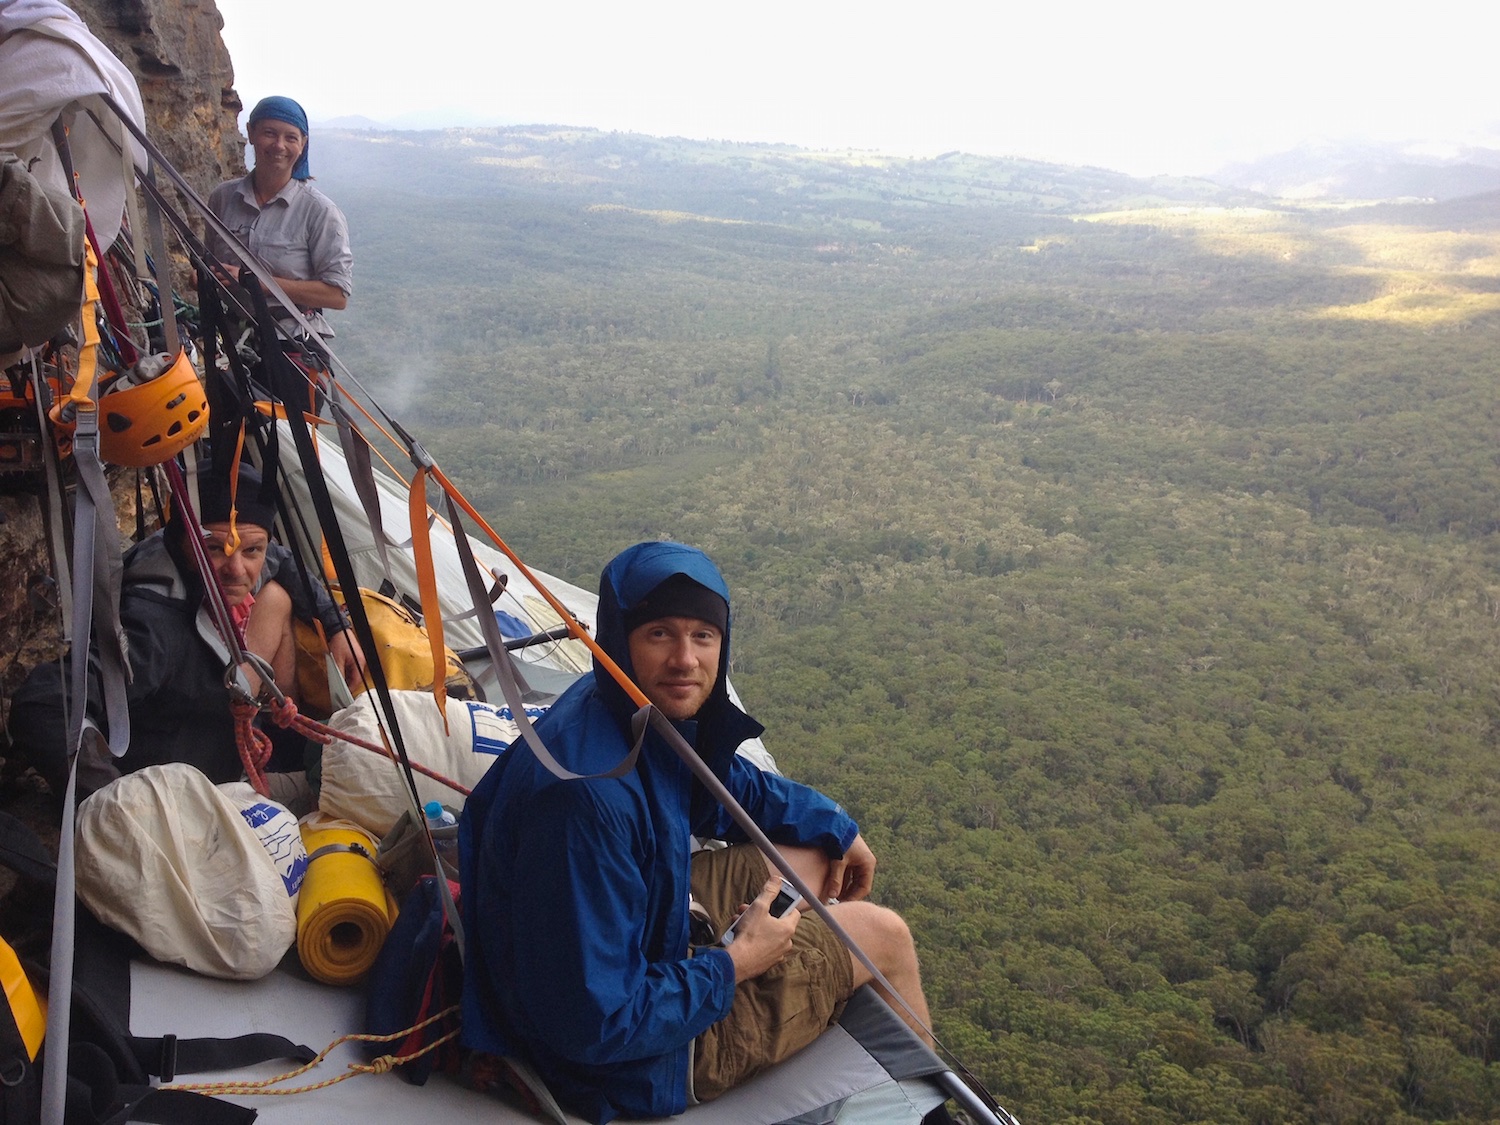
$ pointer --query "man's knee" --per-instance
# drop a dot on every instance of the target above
(272, 603)
(881, 933)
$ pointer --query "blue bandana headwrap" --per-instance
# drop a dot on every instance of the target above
(277, 108)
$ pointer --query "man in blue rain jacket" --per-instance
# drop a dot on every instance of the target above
(582, 955)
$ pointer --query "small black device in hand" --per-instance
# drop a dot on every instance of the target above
(786, 899)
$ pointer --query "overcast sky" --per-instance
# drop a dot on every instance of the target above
(1145, 87)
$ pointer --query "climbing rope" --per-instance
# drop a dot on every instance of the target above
(382, 1065)
(255, 746)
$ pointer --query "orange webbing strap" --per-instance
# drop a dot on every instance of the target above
(563, 612)
(88, 351)
(232, 544)
(80, 397)
(432, 611)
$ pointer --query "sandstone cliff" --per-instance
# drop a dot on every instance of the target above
(175, 51)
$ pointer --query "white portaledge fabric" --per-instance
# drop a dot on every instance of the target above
(202, 876)
(849, 1076)
(367, 788)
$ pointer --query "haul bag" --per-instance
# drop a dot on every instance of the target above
(366, 787)
(202, 876)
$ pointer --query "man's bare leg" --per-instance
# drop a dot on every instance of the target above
(883, 936)
(809, 863)
(268, 634)
(886, 940)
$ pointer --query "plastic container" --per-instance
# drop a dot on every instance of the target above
(437, 816)
(444, 828)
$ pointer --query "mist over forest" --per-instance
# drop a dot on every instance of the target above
(1123, 554)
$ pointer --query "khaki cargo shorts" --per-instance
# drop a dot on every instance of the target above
(782, 1010)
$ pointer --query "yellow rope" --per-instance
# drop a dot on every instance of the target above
(259, 1087)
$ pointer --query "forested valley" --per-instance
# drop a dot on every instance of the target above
(1123, 555)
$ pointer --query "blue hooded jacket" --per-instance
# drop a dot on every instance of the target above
(575, 892)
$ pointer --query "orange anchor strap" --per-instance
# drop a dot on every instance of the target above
(80, 396)
(563, 612)
(432, 614)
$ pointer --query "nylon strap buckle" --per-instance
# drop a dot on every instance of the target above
(167, 1065)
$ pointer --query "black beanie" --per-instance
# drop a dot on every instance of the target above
(253, 502)
(679, 596)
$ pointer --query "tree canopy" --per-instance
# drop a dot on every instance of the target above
(1123, 555)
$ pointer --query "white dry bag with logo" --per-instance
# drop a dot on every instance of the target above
(203, 876)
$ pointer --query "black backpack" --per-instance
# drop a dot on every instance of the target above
(417, 975)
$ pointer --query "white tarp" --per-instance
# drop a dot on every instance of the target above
(51, 64)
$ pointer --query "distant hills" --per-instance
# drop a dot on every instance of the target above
(1342, 170)
(476, 159)
(745, 182)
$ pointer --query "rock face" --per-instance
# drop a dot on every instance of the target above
(174, 49)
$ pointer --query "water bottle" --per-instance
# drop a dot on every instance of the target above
(443, 826)
(437, 816)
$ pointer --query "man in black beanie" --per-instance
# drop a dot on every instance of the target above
(179, 706)
(584, 950)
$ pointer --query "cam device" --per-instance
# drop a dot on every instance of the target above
(786, 899)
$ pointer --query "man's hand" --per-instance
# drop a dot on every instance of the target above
(850, 878)
(760, 941)
(347, 657)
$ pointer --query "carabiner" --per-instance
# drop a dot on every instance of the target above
(238, 685)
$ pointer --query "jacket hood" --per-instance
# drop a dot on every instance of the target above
(627, 579)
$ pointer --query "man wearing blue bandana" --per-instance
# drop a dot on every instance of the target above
(291, 227)
(579, 896)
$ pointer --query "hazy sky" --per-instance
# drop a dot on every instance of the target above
(1145, 87)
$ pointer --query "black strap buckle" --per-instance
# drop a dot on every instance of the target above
(168, 1068)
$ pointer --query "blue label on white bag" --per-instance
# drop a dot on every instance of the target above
(293, 876)
(494, 728)
(282, 839)
(258, 815)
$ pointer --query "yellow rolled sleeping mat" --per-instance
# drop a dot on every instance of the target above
(343, 910)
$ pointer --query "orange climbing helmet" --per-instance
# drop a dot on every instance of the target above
(152, 412)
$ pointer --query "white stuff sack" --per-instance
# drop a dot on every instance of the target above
(366, 787)
(190, 870)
